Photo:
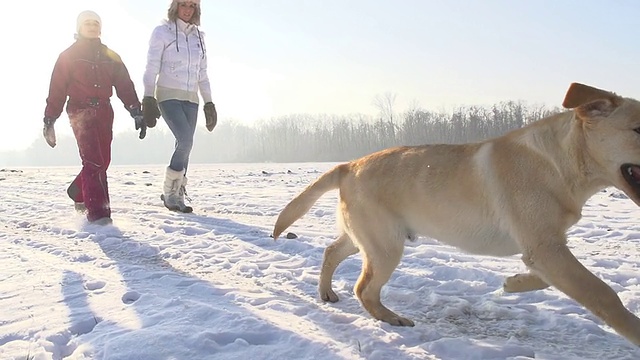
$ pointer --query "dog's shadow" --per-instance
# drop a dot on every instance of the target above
(448, 305)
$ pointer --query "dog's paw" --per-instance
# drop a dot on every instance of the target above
(510, 284)
(515, 284)
(329, 296)
(400, 321)
(523, 283)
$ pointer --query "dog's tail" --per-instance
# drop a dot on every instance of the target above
(305, 200)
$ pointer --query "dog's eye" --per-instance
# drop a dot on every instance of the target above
(637, 130)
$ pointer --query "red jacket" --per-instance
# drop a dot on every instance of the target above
(88, 69)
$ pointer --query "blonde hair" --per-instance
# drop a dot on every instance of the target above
(172, 13)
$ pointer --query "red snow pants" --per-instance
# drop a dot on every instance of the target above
(93, 129)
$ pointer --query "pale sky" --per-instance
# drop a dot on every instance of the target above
(270, 58)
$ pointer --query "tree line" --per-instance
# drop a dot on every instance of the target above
(303, 137)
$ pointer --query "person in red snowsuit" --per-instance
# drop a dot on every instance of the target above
(83, 77)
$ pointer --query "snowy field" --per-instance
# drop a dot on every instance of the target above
(214, 285)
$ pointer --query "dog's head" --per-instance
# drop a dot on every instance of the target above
(611, 126)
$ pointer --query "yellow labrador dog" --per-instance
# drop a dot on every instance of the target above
(515, 194)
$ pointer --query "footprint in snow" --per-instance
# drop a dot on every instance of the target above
(94, 285)
(130, 297)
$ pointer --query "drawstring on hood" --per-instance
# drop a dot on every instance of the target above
(204, 51)
(177, 48)
(199, 36)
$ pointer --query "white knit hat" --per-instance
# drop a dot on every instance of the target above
(87, 15)
(197, 2)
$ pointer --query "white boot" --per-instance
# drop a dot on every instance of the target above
(172, 184)
(182, 193)
(174, 191)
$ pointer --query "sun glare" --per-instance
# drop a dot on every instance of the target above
(247, 92)
(50, 31)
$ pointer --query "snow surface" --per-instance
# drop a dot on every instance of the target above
(214, 285)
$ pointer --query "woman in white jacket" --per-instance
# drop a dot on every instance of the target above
(176, 70)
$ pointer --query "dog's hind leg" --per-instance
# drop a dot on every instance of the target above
(524, 282)
(381, 254)
(334, 254)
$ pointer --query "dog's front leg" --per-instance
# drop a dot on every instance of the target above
(556, 264)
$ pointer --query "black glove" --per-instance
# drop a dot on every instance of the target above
(49, 132)
(150, 111)
(138, 117)
(210, 115)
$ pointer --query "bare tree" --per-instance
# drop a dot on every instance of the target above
(385, 104)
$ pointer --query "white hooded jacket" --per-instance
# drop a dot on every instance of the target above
(177, 63)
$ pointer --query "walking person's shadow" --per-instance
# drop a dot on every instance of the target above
(176, 315)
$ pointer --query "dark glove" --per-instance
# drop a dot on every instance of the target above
(137, 116)
(150, 111)
(49, 132)
(211, 115)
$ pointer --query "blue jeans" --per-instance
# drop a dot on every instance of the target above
(181, 117)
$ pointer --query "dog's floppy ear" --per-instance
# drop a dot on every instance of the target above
(580, 94)
(589, 101)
